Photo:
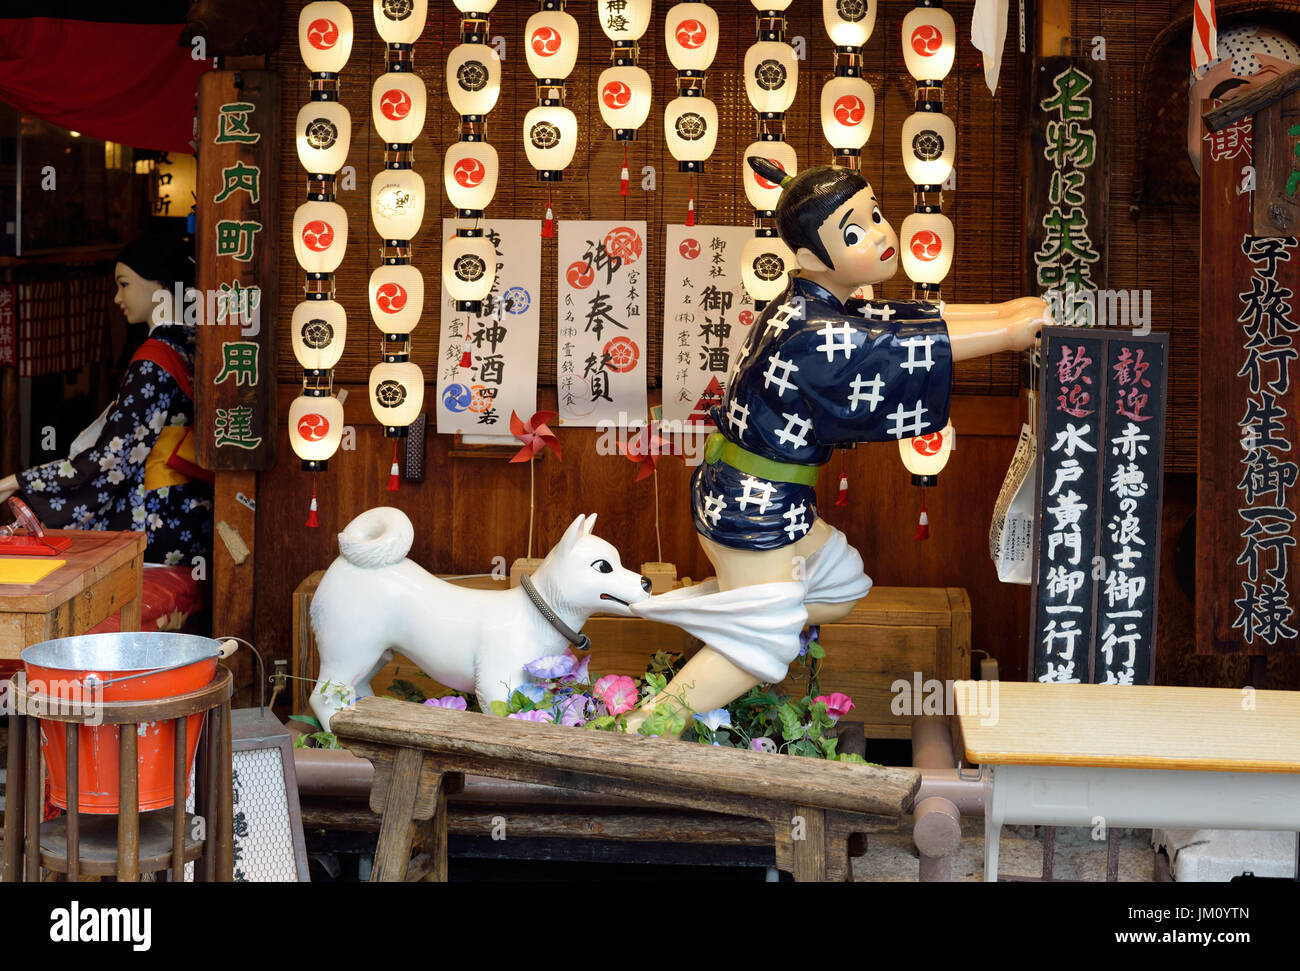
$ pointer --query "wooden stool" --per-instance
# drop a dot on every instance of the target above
(132, 842)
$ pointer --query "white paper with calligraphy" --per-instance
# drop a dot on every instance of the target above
(707, 316)
(601, 353)
(502, 371)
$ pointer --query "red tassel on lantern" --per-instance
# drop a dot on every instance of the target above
(623, 175)
(392, 472)
(690, 205)
(312, 521)
(923, 524)
(843, 498)
(548, 224)
(466, 358)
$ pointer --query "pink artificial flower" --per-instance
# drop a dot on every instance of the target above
(455, 702)
(532, 716)
(618, 691)
(838, 704)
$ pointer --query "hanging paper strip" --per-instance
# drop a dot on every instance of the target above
(601, 353)
(707, 317)
(502, 339)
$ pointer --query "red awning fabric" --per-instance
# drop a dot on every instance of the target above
(129, 83)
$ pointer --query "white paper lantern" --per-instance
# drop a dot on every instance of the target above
(624, 19)
(398, 101)
(324, 134)
(325, 36)
(926, 240)
(771, 76)
(469, 173)
(318, 330)
(396, 298)
(396, 393)
(315, 425)
(551, 44)
(475, 6)
(691, 33)
(849, 22)
(320, 236)
(929, 143)
(761, 193)
(691, 129)
(929, 42)
(469, 266)
(765, 262)
(623, 95)
(761, 5)
(397, 203)
(400, 21)
(848, 110)
(550, 138)
(926, 455)
(473, 78)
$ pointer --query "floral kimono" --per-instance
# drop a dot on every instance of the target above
(128, 479)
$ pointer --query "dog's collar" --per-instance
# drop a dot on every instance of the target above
(575, 637)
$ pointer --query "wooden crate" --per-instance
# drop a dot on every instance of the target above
(896, 633)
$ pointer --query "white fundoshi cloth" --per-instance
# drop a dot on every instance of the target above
(757, 627)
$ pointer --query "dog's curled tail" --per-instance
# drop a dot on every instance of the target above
(378, 537)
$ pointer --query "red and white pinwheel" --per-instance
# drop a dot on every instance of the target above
(535, 434)
(645, 449)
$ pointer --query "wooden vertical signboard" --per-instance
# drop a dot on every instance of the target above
(1100, 470)
(1246, 499)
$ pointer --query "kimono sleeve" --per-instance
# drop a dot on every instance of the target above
(69, 493)
(880, 376)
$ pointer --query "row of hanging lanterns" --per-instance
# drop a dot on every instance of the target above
(771, 79)
(550, 129)
(848, 102)
(691, 119)
(623, 90)
(318, 325)
(398, 104)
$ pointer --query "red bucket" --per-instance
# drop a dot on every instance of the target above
(127, 666)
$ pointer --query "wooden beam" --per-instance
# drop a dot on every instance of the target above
(1217, 119)
(1054, 17)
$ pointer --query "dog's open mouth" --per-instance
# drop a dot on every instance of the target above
(610, 596)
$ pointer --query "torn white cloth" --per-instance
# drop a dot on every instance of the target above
(757, 627)
(988, 32)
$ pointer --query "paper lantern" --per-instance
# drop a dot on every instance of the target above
(771, 76)
(848, 110)
(849, 22)
(475, 6)
(550, 138)
(691, 129)
(315, 427)
(926, 455)
(396, 298)
(691, 33)
(397, 203)
(320, 236)
(318, 330)
(623, 95)
(929, 41)
(396, 393)
(926, 241)
(324, 134)
(397, 105)
(469, 266)
(400, 21)
(761, 5)
(761, 193)
(469, 174)
(551, 44)
(764, 263)
(624, 19)
(929, 144)
(325, 36)
(473, 79)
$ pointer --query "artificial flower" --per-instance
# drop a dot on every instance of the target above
(715, 719)
(807, 636)
(573, 710)
(455, 702)
(533, 692)
(551, 666)
(837, 704)
(532, 716)
(618, 691)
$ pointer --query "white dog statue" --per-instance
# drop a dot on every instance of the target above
(373, 601)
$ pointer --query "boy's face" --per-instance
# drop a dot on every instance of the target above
(862, 245)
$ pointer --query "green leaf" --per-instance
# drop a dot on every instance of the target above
(853, 757)
(406, 691)
(791, 723)
(657, 682)
(300, 741)
(816, 650)
(520, 702)
(603, 723)
(500, 708)
(828, 747)
(307, 720)
(805, 748)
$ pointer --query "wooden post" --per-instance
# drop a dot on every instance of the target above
(397, 831)
(15, 798)
(128, 806)
(1054, 18)
(810, 850)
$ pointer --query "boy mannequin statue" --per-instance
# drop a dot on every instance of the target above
(819, 369)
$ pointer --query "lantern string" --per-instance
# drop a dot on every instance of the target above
(532, 505)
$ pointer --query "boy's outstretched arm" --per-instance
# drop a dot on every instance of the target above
(977, 329)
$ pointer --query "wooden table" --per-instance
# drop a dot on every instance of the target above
(1133, 756)
(421, 754)
(102, 574)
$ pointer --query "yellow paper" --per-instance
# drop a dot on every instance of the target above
(26, 569)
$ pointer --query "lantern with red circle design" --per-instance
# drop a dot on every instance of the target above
(396, 298)
(691, 34)
(848, 111)
(762, 194)
(623, 96)
(929, 41)
(551, 43)
(325, 36)
(315, 427)
(320, 235)
(469, 172)
(926, 241)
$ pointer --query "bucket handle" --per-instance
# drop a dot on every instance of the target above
(226, 649)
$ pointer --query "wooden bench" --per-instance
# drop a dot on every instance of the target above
(1133, 756)
(420, 755)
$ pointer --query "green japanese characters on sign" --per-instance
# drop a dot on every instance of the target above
(240, 178)
(235, 238)
(234, 426)
(233, 124)
(239, 360)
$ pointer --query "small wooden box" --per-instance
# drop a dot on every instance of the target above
(896, 633)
